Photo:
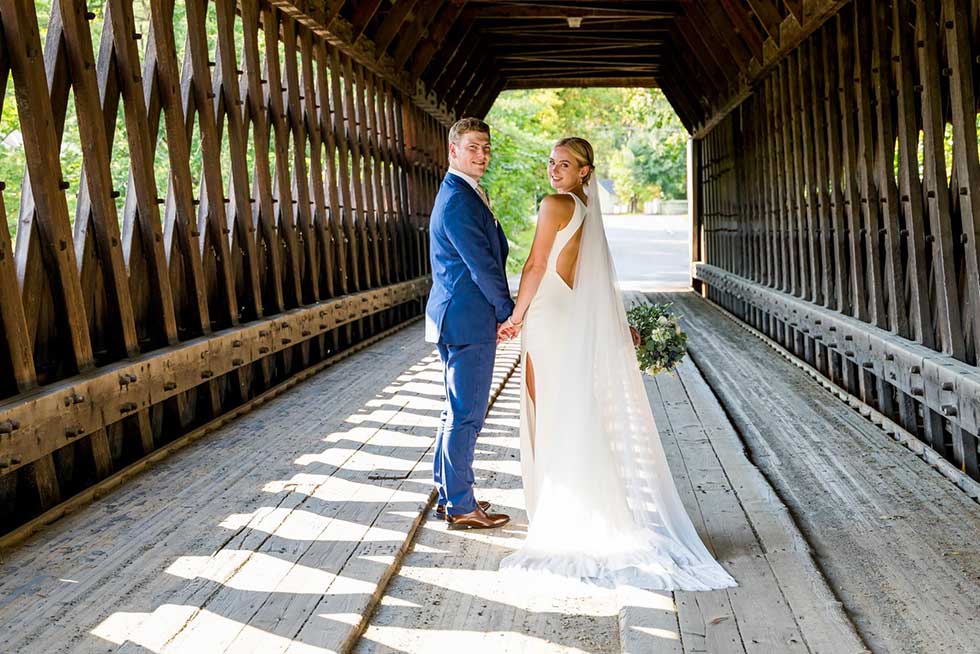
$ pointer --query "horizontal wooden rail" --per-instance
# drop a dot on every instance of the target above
(939, 382)
(38, 423)
(201, 199)
(844, 189)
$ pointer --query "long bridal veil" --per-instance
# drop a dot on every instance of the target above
(602, 502)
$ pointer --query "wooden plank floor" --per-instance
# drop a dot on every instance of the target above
(896, 540)
(277, 533)
(448, 593)
(271, 535)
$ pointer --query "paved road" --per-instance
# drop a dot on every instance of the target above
(651, 253)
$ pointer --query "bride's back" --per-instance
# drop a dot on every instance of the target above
(568, 242)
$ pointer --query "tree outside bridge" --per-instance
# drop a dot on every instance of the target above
(639, 142)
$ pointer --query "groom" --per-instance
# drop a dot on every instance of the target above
(468, 300)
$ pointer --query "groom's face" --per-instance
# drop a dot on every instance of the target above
(472, 154)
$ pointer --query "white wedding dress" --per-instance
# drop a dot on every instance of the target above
(601, 501)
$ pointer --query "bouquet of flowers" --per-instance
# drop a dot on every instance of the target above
(660, 343)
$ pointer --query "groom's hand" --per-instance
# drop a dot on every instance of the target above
(504, 332)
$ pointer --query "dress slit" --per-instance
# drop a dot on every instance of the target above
(530, 389)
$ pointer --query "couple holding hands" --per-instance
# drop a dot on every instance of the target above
(601, 503)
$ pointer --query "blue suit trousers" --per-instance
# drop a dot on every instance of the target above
(467, 376)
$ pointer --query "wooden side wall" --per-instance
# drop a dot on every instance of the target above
(841, 212)
(305, 232)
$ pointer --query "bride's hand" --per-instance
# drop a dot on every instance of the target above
(635, 335)
(509, 329)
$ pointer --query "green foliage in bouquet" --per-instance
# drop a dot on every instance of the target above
(662, 344)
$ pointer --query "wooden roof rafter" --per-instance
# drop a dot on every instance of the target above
(441, 52)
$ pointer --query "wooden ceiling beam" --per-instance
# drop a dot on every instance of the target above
(692, 81)
(482, 107)
(420, 25)
(461, 93)
(451, 15)
(460, 60)
(681, 104)
(548, 49)
(364, 11)
(565, 71)
(331, 8)
(768, 15)
(689, 38)
(583, 73)
(795, 8)
(457, 78)
(456, 41)
(477, 94)
(520, 12)
(391, 24)
(791, 34)
(719, 35)
(743, 27)
(613, 30)
(583, 40)
(570, 82)
(651, 55)
(324, 20)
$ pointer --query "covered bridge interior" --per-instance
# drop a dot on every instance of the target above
(833, 167)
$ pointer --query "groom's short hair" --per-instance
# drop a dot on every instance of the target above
(464, 125)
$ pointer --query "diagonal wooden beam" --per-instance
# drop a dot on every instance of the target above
(795, 8)
(337, 32)
(743, 26)
(716, 72)
(769, 16)
(392, 23)
(451, 15)
(454, 67)
(411, 38)
(364, 11)
(710, 17)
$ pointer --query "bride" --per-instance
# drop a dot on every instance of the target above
(601, 502)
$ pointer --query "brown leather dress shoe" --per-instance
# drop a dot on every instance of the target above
(477, 519)
(441, 508)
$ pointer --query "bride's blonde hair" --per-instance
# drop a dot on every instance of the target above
(582, 150)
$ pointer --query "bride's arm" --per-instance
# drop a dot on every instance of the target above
(555, 212)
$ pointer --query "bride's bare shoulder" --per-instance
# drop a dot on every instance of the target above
(557, 207)
(557, 201)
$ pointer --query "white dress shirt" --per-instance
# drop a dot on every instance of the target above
(475, 185)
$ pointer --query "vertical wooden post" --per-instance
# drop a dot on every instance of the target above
(694, 209)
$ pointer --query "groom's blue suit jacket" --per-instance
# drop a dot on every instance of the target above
(468, 253)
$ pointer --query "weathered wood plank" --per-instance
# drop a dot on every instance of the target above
(966, 163)
(326, 125)
(910, 186)
(255, 113)
(947, 292)
(852, 200)
(311, 113)
(784, 424)
(300, 182)
(272, 20)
